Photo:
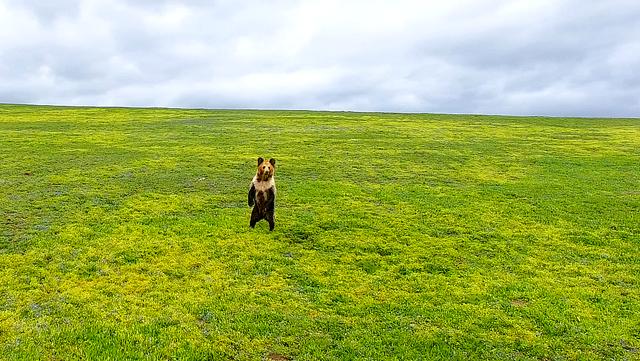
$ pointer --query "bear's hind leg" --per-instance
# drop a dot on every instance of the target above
(255, 217)
(270, 217)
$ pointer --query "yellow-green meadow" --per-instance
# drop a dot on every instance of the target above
(124, 234)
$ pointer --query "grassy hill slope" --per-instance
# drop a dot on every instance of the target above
(124, 235)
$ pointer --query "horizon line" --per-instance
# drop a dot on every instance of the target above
(315, 110)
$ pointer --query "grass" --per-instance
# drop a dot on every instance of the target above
(124, 235)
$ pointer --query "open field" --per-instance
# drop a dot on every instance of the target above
(124, 235)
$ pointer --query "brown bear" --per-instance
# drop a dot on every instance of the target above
(262, 194)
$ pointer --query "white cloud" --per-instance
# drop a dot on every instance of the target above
(565, 57)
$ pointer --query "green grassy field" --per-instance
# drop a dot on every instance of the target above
(124, 235)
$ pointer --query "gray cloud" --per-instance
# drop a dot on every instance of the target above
(549, 57)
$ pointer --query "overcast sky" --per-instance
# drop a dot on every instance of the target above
(546, 57)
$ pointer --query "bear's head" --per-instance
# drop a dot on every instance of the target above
(266, 169)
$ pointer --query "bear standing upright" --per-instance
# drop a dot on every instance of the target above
(262, 194)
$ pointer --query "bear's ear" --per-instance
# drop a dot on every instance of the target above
(272, 161)
(260, 160)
